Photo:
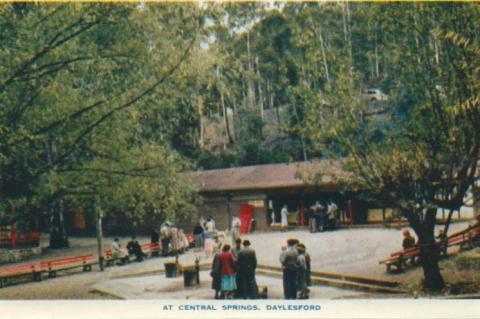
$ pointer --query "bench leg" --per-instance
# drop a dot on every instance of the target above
(52, 274)
(399, 265)
(389, 268)
(37, 276)
(87, 268)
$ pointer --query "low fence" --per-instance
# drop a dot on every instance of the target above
(12, 239)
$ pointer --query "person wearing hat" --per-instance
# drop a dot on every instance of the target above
(302, 273)
(289, 261)
(408, 240)
(246, 265)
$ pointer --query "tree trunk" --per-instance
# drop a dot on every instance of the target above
(98, 215)
(58, 234)
(250, 74)
(260, 91)
(199, 103)
(429, 254)
(429, 251)
(324, 58)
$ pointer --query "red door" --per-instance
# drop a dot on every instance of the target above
(246, 217)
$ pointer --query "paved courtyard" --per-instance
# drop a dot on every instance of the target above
(350, 251)
(160, 287)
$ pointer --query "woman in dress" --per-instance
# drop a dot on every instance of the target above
(175, 239)
(209, 243)
(284, 216)
(227, 271)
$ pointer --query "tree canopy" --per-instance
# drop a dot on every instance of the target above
(114, 101)
(75, 81)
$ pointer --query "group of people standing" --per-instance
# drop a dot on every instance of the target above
(206, 237)
(233, 271)
(296, 270)
(323, 216)
(172, 238)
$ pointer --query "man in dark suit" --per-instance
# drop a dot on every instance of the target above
(246, 265)
(289, 261)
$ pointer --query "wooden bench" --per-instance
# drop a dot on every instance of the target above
(401, 259)
(22, 270)
(466, 238)
(108, 258)
(53, 266)
(151, 249)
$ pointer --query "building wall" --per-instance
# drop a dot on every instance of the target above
(376, 215)
(216, 207)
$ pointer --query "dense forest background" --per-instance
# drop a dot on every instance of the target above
(265, 73)
(105, 105)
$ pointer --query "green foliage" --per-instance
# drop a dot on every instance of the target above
(74, 83)
(92, 95)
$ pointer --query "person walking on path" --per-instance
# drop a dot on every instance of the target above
(284, 217)
(118, 253)
(236, 224)
(199, 237)
(227, 271)
(246, 265)
(289, 261)
(216, 275)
